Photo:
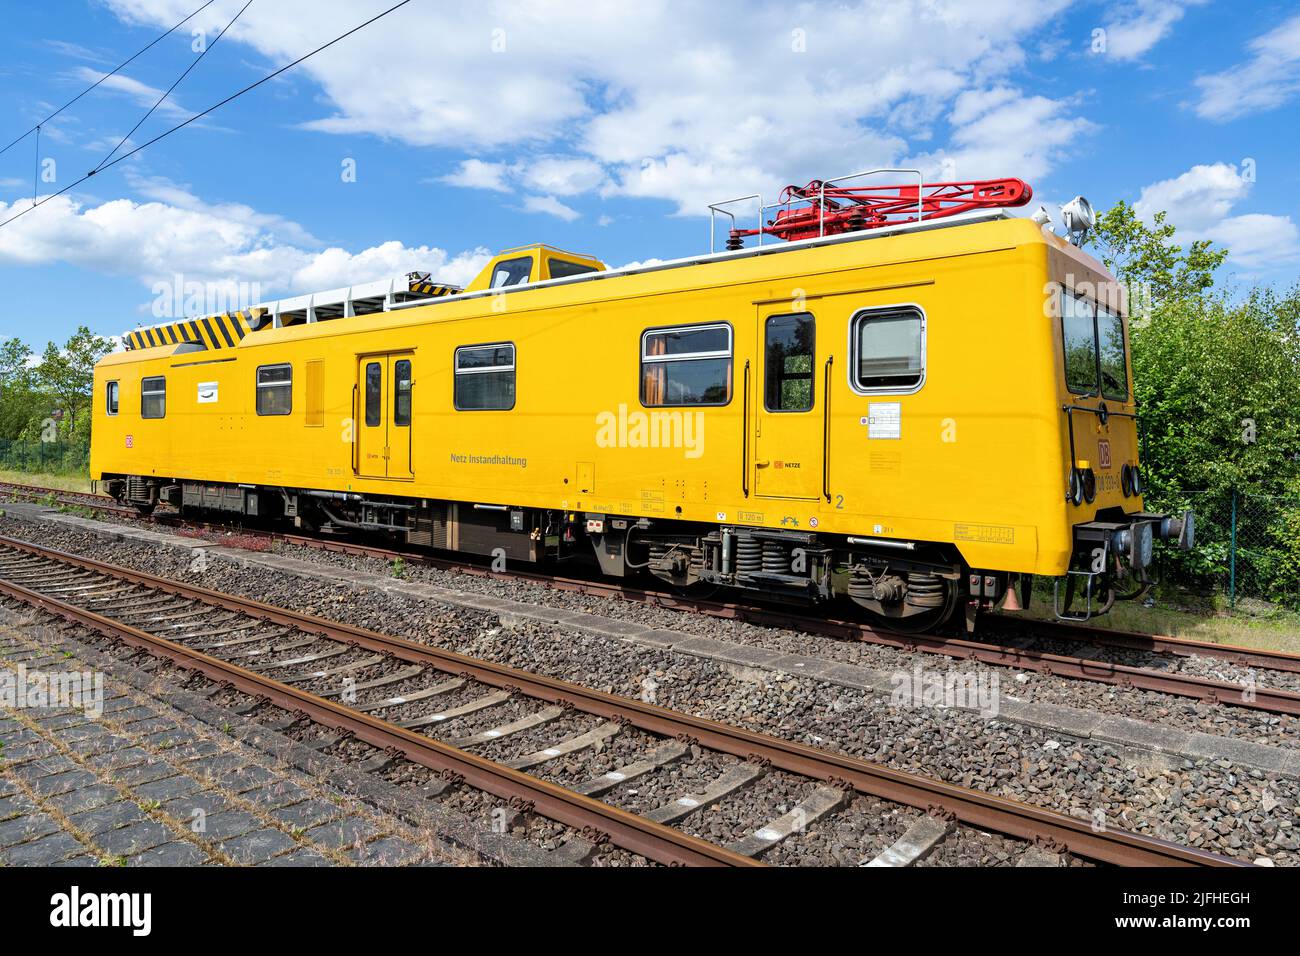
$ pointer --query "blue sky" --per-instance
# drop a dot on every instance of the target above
(603, 127)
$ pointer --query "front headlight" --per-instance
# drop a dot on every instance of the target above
(1089, 484)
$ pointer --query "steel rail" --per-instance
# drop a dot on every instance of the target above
(656, 841)
(832, 627)
(1159, 643)
(12, 487)
(1208, 690)
(969, 806)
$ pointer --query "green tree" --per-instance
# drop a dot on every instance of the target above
(14, 356)
(16, 397)
(1217, 382)
(1147, 259)
(67, 374)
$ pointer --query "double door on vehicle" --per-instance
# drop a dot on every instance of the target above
(384, 429)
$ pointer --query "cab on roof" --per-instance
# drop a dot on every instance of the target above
(533, 263)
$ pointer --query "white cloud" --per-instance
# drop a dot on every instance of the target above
(141, 93)
(476, 174)
(106, 145)
(1258, 240)
(1199, 203)
(223, 244)
(336, 267)
(551, 207)
(1134, 28)
(271, 227)
(554, 175)
(562, 175)
(77, 51)
(1267, 80)
(1001, 132)
(1197, 199)
(676, 100)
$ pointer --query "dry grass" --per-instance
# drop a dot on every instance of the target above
(1196, 617)
(61, 482)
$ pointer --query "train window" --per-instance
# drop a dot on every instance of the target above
(402, 392)
(686, 366)
(512, 272)
(1079, 338)
(112, 395)
(789, 341)
(1110, 353)
(374, 393)
(153, 397)
(275, 389)
(485, 378)
(562, 268)
(888, 349)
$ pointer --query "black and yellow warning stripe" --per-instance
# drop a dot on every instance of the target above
(432, 288)
(212, 332)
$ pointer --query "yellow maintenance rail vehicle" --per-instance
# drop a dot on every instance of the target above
(901, 395)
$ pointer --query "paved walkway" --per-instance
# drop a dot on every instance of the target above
(146, 784)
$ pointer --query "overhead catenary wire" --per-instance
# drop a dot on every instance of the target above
(114, 71)
(211, 109)
(172, 88)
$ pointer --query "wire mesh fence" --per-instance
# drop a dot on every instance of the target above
(1247, 546)
(48, 457)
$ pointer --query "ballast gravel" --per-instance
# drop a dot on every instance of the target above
(1202, 803)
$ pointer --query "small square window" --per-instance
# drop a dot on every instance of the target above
(153, 397)
(888, 350)
(275, 389)
(485, 378)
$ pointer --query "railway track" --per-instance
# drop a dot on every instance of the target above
(393, 694)
(1021, 655)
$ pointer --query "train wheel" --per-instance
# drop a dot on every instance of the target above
(143, 509)
(924, 622)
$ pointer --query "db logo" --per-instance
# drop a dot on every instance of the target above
(130, 441)
(1103, 454)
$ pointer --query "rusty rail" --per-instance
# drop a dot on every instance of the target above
(969, 806)
(1208, 690)
(637, 834)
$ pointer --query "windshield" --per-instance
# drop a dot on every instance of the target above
(1110, 355)
(1093, 340)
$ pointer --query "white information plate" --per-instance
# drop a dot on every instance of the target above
(885, 420)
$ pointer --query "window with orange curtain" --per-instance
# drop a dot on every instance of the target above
(689, 365)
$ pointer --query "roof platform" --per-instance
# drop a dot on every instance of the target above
(228, 329)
